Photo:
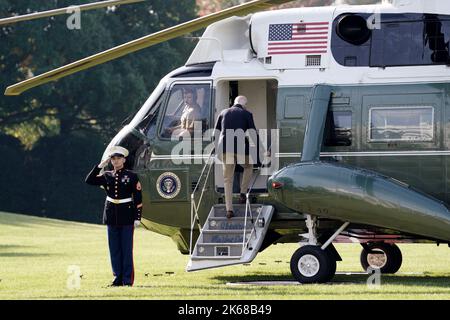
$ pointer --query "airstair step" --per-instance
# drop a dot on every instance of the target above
(218, 249)
(238, 210)
(225, 224)
(221, 244)
(237, 231)
(224, 238)
(216, 258)
(229, 219)
(225, 241)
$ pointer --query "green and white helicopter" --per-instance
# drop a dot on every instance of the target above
(355, 99)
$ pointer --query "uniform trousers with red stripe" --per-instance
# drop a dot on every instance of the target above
(120, 240)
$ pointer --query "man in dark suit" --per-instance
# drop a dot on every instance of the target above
(234, 148)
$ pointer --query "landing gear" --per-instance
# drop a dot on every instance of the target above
(311, 264)
(315, 263)
(383, 256)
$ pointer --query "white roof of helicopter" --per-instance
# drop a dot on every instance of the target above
(428, 6)
(228, 43)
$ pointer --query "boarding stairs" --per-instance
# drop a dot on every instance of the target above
(227, 241)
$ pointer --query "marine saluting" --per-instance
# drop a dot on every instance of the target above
(122, 212)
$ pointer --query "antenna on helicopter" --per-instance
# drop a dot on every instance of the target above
(141, 43)
(60, 11)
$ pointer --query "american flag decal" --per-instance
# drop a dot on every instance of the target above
(298, 38)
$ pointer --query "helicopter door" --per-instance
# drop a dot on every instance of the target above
(262, 97)
(177, 151)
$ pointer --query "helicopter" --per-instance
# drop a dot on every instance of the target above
(352, 99)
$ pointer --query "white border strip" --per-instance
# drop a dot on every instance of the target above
(370, 154)
(322, 154)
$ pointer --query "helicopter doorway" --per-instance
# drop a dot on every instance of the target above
(262, 97)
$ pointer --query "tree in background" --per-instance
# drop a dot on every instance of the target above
(51, 135)
(98, 99)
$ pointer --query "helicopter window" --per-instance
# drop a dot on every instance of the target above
(351, 40)
(188, 111)
(411, 43)
(338, 129)
(353, 29)
(401, 124)
(408, 39)
(148, 125)
(397, 40)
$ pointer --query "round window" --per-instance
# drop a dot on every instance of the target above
(353, 29)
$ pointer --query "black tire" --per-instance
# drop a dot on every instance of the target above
(322, 259)
(390, 263)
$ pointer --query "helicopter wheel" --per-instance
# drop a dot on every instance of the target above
(311, 264)
(383, 256)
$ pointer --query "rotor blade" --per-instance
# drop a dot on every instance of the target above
(139, 44)
(56, 12)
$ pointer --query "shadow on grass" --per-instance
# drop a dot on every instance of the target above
(407, 280)
(11, 247)
(24, 220)
(22, 254)
(438, 285)
(14, 251)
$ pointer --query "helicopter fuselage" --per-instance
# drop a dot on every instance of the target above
(387, 113)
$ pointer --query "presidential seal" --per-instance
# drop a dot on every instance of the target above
(168, 185)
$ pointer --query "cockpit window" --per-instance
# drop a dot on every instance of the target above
(188, 111)
(148, 125)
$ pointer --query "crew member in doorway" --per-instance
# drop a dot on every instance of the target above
(122, 213)
(233, 121)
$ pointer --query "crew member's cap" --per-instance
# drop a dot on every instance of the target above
(117, 151)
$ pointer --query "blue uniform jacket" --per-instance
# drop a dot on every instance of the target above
(122, 184)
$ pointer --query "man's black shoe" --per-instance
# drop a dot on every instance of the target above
(230, 214)
(242, 198)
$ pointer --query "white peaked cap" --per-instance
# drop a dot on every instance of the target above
(117, 150)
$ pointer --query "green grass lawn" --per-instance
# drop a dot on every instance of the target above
(35, 255)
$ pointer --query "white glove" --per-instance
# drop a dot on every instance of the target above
(136, 223)
(103, 164)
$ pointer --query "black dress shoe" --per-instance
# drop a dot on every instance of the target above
(230, 214)
(242, 198)
(116, 283)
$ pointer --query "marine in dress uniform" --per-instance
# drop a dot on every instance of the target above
(122, 212)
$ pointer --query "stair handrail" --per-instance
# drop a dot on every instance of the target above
(248, 209)
(251, 233)
(195, 206)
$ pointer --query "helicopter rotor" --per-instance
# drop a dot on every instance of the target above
(139, 44)
(60, 11)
